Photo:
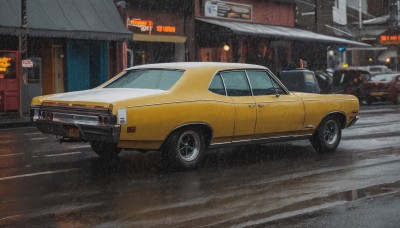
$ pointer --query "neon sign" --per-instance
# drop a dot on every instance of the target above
(5, 63)
(148, 25)
(389, 39)
(144, 25)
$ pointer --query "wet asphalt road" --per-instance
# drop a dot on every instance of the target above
(47, 184)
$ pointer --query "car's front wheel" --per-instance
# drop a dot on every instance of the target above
(186, 148)
(105, 150)
(328, 135)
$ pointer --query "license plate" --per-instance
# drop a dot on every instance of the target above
(73, 132)
(376, 94)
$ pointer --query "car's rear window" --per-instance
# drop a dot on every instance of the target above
(147, 79)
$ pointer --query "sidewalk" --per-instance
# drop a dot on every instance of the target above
(13, 119)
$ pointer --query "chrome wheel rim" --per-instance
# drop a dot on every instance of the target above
(188, 146)
(331, 131)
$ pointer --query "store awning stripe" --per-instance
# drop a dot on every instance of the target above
(274, 31)
(75, 19)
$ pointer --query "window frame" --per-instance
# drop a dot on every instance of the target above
(269, 74)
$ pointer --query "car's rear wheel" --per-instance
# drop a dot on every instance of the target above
(328, 135)
(186, 148)
(105, 150)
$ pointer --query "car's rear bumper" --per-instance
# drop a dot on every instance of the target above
(109, 133)
(76, 124)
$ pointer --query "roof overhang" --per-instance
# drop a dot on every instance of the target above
(280, 32)
(75, 19)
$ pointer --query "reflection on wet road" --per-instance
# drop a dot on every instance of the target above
(44, 183)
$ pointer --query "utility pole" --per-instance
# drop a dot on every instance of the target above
(23, 47)
(360, 14)
(23, 43)
(394, 6)
(316, 16)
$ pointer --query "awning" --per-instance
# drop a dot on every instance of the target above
(274, 31)
(159, 38)
(75, 19)
(390, 53)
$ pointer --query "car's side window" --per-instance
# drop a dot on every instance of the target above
(217, 85)
(278, 87)
(264, 84)
(261, 83)
(236, 83)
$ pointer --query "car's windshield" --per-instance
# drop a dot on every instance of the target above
(147, 79)
(382, 78)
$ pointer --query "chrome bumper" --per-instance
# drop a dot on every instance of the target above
(87, 133)
(90, 123)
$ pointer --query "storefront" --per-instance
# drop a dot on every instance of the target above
(158, 37)
(9, 80)
(257, 32)
(69, 46)
(391, 39)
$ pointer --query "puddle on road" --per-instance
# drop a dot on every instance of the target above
(316, 204)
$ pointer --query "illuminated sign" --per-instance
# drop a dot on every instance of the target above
(144, 25)
(148, 25)
(389, 39)
(5, 62)
(8, 66)
(228, 10)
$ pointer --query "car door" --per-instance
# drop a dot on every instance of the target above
(238, 89)
(279, 113)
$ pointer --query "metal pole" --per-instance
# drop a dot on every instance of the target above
(23, 47)
(316, 16)
(360, 14)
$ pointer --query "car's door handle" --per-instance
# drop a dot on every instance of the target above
(252, 105)
(261, 105)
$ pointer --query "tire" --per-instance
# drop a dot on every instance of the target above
(105, 150)
(186, 148)
(327, 137)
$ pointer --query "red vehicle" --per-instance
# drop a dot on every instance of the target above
(383, 87)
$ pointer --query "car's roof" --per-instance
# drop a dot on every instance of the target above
(194, 65)
(298, 70)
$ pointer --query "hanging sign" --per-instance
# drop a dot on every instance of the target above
(27, 63)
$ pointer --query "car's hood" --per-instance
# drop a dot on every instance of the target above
(102, 95)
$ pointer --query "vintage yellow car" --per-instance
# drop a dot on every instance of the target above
(183, 109)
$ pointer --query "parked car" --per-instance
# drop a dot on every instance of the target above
(324, 79)
(183, 109)
(300, 81)
(349, 81)
(372, 69)
(383, 87)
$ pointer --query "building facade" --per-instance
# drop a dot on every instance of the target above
(59, 46)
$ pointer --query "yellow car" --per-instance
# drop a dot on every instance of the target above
(183, 109)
